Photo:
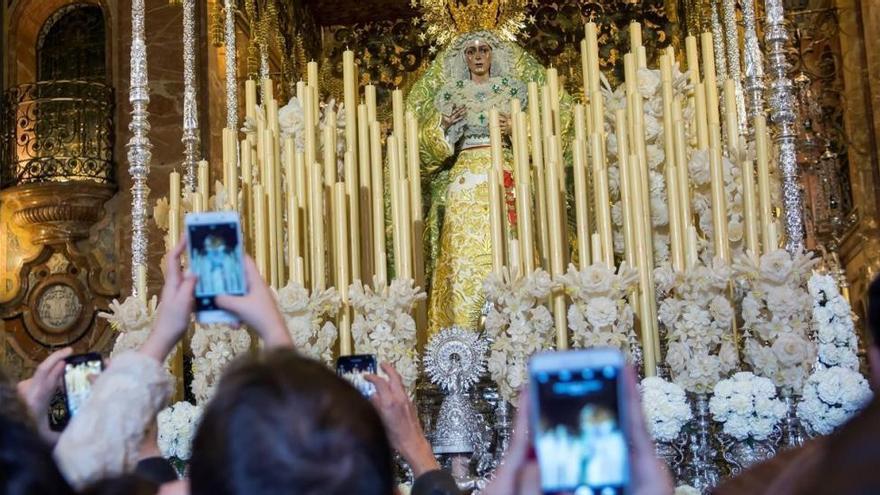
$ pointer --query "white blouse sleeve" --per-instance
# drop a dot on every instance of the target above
(103, 439)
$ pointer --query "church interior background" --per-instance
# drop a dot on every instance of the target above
(66, 221)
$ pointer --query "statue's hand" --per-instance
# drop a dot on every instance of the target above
(504, 123)
(458, 113)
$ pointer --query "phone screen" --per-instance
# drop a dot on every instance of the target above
(79, 372)
(216, 257)
(353, 369)
(579, 438)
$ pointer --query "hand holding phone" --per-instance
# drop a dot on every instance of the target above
(578, 422)
(354, 368)
(216, 257)
(80, 372)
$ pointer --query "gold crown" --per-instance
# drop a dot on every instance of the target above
(445, 19)
(474, 15)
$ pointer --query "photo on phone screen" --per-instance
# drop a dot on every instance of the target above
(79, 373)
(579, 438)
(216, 257)
(353, 369)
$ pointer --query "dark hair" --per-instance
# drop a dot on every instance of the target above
(26, 464)
(873, 303)
(281, 424)
(11, 405)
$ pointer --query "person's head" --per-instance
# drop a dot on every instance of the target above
(26, 463)
(478, 54)
(873, 317)
(128, 484)
(280, 423)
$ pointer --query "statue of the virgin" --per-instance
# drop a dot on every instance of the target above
(476, 71)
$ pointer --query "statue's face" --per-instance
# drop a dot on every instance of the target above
(479, 58)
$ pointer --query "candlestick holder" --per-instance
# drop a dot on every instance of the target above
(190, 137)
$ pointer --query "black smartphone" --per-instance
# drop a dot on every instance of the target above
(353, 368)
(578, 422)
(80, 371)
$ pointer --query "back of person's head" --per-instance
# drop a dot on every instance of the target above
(283, 424)
(11, 405)
(127, 484)
(26, 463)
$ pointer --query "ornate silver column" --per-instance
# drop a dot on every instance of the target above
(782, 113)
(190, 137)
(231, 76)
(754, 64)
(718, 44)
(731, 41)
(139, 147)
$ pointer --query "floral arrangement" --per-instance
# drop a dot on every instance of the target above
(291, 122)
(701, 199)
(665, 407)
(213, 347)
(697, 316)
(831, 396)
(308, 319)
(599, 314)
(384, 326)
(747, 405)
(132, 320)
(776, 316)
(177, 426)
(519, 325)
(833, 324)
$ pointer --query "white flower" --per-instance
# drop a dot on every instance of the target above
(649, 82)
(698, 167)
(747, 405)
(791, 350)
(177, 425)
(832, 396)
(665, 407)
(601, 312)
(131, 315)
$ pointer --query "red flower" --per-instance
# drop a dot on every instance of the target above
(508, 180)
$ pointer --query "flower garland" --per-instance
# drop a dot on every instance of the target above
(599, 315)
(831, 396)
(213, 348)
(833, 322)
(177, 426)
(308, 319)
(697, 315)
(747, 405)
(776, 313)
(665, 407)
(519, 324)
(384, 326)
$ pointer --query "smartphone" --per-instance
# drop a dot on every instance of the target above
(216, 256)
(578, 422)
(353, 368)
(80, 370)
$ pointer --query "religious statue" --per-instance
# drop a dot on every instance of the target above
(478, 70)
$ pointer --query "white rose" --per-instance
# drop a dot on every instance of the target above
(698, 167)
(776, 266)
(790, 350)
(601, 311)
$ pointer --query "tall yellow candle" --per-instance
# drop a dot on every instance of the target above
(731, 121)
(701, 117)
(293, 229)
(204, 185)
(495, 222)
(393, 187)
(773, 238)
(370, 99)
(646, 320)
(692, 253)
(269, 182)
(709, 78)
(364, 194)
(340, 233)
(301, 191)
(247, 203)
(415, 198)
(316, 217)
(250, 99)
(312, 74)
(596, 241)
(353, 216)
(750, 207)
(762, 152)
(684, 187)
(626, 200)
(260, 231)
(581, 209)
(140, 276)
(406, 245)
(719, 197)
(557, 260)
(676, 234)
(174, 208)
(603, 200)
(309, 139)
(693, 60)
(378, 205)
(398, 123)
(553, 86)
(524, 198)
(350, 100)
(538, 165)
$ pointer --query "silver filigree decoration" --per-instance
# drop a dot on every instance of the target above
(455, 358)
(190, 137)
(783, 115)
(718, 45)
(754, 64)
(731, 40)
(139, 146)
(231, 76)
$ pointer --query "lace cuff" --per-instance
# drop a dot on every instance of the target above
(103, 439)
